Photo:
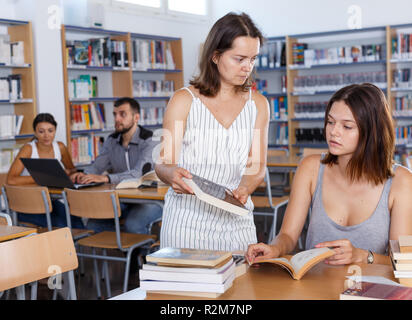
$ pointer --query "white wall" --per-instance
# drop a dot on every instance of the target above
(280, 17)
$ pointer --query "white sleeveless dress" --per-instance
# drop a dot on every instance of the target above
(35, 154)
(220, 155)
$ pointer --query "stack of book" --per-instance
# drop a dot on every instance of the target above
(201, 273)
(401, 257)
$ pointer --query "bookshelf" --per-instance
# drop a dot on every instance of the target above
(313, 77)
(150, 82)
(18, 69)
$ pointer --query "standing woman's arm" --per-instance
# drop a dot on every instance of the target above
(174, 127)
(66, 159)
(256, 166)
(17, 167)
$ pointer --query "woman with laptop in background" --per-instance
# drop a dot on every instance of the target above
(43, 146)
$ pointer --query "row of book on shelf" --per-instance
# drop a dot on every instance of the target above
(402, 78)
(403, 134)
(11, 52)
(10, 125)
(152, 54)
(310, 135)
(88, 116)
(302, 55)
(310, 110)
(403, 106)
(11, 88)
(151, 115)
(280, 134)
(261, 85)
(99, 52)
(273, 55)
(7, 156)
(333, 82)
(85, 149)
(278, 108)
(84, 86)
(402, 46)
(153, 88)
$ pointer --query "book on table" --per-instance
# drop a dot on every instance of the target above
(148, 180)
(188, 257)
(401, 259)
(300, 263)
(215, 195)
(181, 274)
(376, 291)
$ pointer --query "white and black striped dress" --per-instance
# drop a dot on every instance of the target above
(220, 155)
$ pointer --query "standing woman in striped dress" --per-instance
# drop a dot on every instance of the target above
(216, 129)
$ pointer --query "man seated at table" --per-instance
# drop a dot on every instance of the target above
(126, 154)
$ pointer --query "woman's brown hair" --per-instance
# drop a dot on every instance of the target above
(373, 157)
(219, 40)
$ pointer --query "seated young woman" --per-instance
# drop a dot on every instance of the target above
(43, 146)
(359, 198)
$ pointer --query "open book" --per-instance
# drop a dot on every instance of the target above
(301, 262)
(148, 180)
(215, 195)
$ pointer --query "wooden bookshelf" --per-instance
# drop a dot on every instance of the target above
(27, 107)
(324, 40)
(121, 82)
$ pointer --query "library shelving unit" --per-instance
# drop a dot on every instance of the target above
(399, 53)
(18, 31)
(116, 82)
(312, 82)
(271, 68)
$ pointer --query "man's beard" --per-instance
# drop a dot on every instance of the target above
(124, 130)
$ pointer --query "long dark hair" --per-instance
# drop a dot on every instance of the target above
(219, 40)
(373, 157)
(44, 117)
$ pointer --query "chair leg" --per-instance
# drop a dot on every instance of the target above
(81, 261)
(72, 286)
(33, 290)
(96, 275)
(106, 275)
(21, 294)
(126, 272)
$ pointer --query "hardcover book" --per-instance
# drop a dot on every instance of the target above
(376, 291)
(215, 195)
(188, 257)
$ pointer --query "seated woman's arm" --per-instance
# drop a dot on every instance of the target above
(17, 167)
(294, 219)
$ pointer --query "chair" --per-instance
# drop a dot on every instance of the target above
(27, 199)
(33, 258)
(103, 204)
(34, 200)
(275, 203)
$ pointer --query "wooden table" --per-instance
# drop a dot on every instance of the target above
(269, 282)
(13, 232)
(283, 163)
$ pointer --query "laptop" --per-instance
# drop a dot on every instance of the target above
(50, 173)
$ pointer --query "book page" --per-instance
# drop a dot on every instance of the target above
(303, 258)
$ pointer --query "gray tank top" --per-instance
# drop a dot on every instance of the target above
(372, 234)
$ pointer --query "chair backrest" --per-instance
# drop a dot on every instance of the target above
(28, 199)
(92, 204)
(309, 151)
(36, 257)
